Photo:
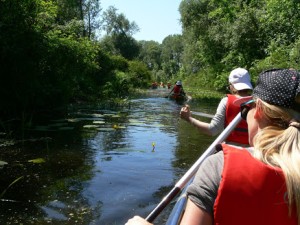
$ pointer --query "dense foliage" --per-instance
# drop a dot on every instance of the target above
(56, 52)
(222, 35)
(49, 58)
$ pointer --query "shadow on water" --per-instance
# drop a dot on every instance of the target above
(99, 166)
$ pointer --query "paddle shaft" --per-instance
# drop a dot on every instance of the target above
(192, 171)
(169, 93)
(202, 114)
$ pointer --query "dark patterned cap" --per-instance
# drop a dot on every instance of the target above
(279, 87)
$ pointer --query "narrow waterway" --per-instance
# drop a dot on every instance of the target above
(100, 166)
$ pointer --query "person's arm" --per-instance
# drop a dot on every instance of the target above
(201, 126)
(194, 215)
(215, 126)
(185, 114)
(202, 192)
(217, 123)
(137, 220)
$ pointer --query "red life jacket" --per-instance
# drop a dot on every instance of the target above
(240, 133)
(177, 90)
(251, 192)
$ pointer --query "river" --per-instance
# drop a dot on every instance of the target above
(98, 165)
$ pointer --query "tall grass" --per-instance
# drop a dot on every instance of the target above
(201, 90)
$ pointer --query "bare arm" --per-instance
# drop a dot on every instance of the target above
(194, 215)
(137, 220)
(215, 126)
(185, 114)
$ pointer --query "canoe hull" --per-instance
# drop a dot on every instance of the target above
(179, 207)
(178, 210)
(178, 98)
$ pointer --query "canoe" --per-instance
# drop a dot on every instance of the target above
(179, 208)
(178, 98)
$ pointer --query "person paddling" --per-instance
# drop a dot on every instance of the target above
(239, 86)
(177, 90)
(258, 185)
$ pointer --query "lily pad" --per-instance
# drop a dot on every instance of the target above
(74, 120)
(2, 164)
(134, 122)
(90, 126)
(37, 160)
(97, 115)
(99, 122)
(108, 114)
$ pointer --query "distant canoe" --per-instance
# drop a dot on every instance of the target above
(178, 98)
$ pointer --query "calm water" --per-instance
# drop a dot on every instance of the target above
(100, 166)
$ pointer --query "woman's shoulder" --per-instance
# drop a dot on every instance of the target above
(223, 100)
(214, 162)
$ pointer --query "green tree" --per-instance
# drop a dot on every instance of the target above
(280, 22)
(222, 32)
(119, 31)
(139, 75)
(150, 54)
(82, 13)
(171, 55)
(44, 65)
(91, 12)
(115, 24)
(20, 50)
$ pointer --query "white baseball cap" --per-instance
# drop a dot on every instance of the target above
(240, 79)
(178, 83)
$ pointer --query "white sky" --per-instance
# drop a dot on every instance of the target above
(156, 18)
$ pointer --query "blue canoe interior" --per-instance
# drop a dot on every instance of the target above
(178, 210)
(179, 207)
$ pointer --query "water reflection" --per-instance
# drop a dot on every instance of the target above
(126, 183)
(101, 166)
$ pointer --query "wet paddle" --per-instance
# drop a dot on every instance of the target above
(192, 171)
(169, 93)
(202, 114)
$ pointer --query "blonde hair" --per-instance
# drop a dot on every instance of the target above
(279, 145)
